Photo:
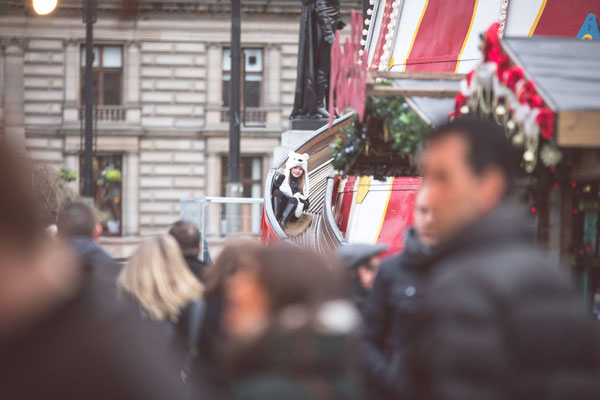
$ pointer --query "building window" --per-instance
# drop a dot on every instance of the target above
(106, 189)
(107, 75)
(251, 175)
(252, 71)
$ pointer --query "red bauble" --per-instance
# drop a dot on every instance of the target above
(545, 121)
(511, 76)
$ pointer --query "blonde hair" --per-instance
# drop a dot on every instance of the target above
(158, 278)
(302, 178)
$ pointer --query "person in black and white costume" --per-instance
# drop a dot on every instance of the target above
(291, 188)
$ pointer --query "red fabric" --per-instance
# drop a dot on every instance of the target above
(348, 79)
(441, 35)
(399, 213)
(267, 236)
(565, 18)
(346, 203)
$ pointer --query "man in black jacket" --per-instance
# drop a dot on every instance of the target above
(188, 237)
(498, 320)
(392, 306)
(77, 224)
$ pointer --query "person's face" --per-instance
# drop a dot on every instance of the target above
(247, 307)
(424, 225)
(457, 196)
(366, 273)
(297, 172)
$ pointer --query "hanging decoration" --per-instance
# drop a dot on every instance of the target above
(348, 80)
(499, 90)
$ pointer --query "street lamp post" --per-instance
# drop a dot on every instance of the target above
(89, 17)
(234, 187)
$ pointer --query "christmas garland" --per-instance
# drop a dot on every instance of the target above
(499, 90)
(384, 143)
(496, 89)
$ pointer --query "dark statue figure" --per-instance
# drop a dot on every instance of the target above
(319, 21)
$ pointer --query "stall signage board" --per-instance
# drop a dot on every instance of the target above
(590, 29)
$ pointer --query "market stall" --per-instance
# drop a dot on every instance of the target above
(545, 92)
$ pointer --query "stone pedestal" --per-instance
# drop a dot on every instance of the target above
(290, 140)
(307, 124)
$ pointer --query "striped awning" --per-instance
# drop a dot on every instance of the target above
(444, 36)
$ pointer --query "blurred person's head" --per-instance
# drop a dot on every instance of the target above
(361, 261)
(158, 278)
(187, 236)
(34, 275)
(229, 259)
(20, 224)
(77, 219)
(468, 168)
(274, 279)
(423, 215)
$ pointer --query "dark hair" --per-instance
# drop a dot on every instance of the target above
(294, 276)
(488, 145)
(76, 218)
(187, 236)
(20, 221)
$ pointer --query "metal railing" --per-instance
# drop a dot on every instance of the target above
(116, 113)
(210, 215)
(249, 115)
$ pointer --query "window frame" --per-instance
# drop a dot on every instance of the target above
(101, 70)
(261, 99)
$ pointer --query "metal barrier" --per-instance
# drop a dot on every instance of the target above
(210, 215)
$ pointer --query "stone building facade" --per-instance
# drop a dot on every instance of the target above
(161, 77)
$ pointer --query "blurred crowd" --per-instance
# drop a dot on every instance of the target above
(470, 309)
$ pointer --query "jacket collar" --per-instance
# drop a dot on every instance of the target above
(506, 224)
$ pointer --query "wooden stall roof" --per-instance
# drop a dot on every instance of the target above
(430, 94)
(566, 73)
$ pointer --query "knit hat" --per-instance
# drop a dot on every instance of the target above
(296, 160)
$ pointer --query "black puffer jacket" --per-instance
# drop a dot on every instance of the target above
(390, 312)
(501, 321)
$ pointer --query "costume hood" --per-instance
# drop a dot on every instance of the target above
(296, 160)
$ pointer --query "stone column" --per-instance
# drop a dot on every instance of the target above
(132, 72)
(72, 69)
(273, 86)
(130, 195)
(273, 75)
(14, 116)
(214, 77)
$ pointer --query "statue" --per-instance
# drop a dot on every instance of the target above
(319, 21)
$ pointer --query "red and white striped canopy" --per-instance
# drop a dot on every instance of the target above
(443, 35)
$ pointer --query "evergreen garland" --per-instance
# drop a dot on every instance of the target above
(385, 143)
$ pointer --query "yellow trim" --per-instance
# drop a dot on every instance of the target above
(392, 57)
(537, 18)
(387, 203)
(364, 184)
(466, 37)
(415, 35)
